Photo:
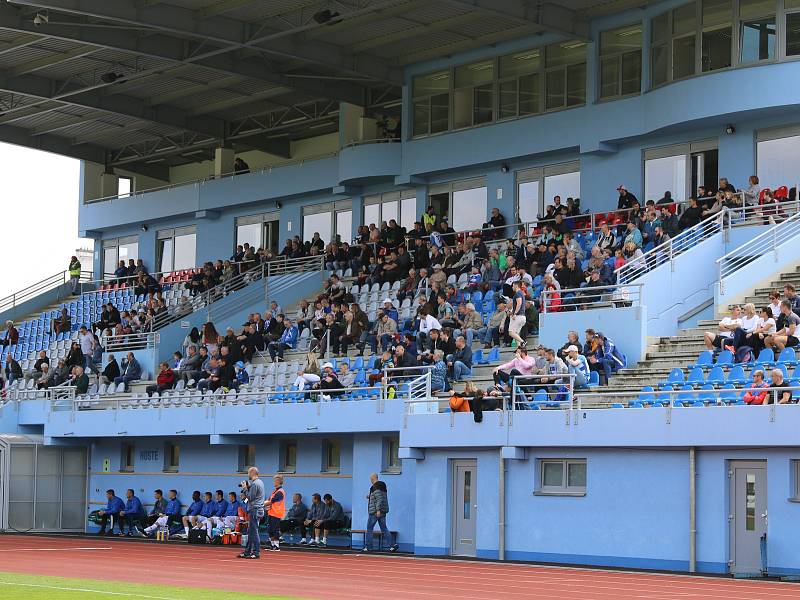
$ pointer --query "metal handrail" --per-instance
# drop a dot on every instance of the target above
(210, 178)
(40, 287)
(131, 341)
(372, 141)
(279, 266)
(768, 241)
(594, 297)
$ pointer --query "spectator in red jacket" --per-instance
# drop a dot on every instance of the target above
(758, 392)
(165, 380)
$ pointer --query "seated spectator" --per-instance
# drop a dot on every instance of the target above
(777, 394)
(724, 337)
(744, 335)
(316, 514)
(470, 323)
(295, 519)
(170, 517)
(80, 380)
(460, 362)
(606, 358)
(759, 390)
(495, 327)
(287, 341)
(56, 376)
(242, 376)
(332, 519)
(521, 365)
(633, 235)
(439, 373)
(786, 334)
(308, 375)
(691, 216)
(112, 510)
(572, 340)
(775, 304)
(130, 371)
(577, 365)
(164, 381)
(790, 295)
(133, 514)
(43, 381)
(329, 383)
(62, 323)
(227, 516)
(159, 507)
(36, 372)
(191, 365)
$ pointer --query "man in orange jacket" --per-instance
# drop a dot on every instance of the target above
(276, 510)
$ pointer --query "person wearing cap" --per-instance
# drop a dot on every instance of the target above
(389, 309)
(329, 383)
(577, 365)
(626, 199)
(165, 380)
(242, 376)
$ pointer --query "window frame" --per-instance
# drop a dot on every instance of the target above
(564, 489)
(262, 220)
(539, 175)
(396, 196)
(131, 183)
(172, 234)
(688, 150)
(283, 465)
(327, 445)
(333, 209)
(794, 478)
(244, 452)
(168, 448)
(114, 244)
(127, 451)
(390, 452)
(619, 57)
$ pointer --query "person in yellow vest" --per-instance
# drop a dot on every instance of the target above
(276, 510)
(74, 275)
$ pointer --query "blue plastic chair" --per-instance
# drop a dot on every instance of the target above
(696, 377)
(725, 359)
(644, 397)
(704, 361)
(716, 376)
(493, 356)
(594, 379)
(788, 357)
(736, 376)
(729, 394)
(766, 358)
(675, 378)
(478, 358)
(707, 394)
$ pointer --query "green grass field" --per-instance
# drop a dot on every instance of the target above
(36, 587)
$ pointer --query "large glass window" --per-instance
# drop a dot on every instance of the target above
(469, 209)
(473, 94)
(519, 88)
(400, 206)
(667, 174)
(679, 169)
(431, 103)
(792, 32)
(260, 231)
(777, 157)
(177, 249)
(344, 225)
(717, 37)
(757, 30)
(118, 249)
(536, 188)
(318, 223)
(565, 80)
(327, 219)
(621, 62)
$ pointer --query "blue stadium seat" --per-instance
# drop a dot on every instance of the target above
(675, 378)
(788, 357)
(765, 360)
(696, 377)
(725, 359)
(736, 376)
(594, 379)
(716, 376)
(704, 361)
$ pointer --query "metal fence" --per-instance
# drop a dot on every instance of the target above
(591, 297)
(131, 341)
(766, 243)
(40, 287)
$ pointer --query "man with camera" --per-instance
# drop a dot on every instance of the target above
(253, 490)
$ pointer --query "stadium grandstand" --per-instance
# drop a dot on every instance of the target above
(524, 271)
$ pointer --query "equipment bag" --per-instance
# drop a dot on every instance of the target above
(197, 536)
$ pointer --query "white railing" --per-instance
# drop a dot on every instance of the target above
(765, 243)
(591, 297)
(40, 287)
(131, 341)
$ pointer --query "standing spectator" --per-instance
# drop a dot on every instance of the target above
(691, 215)
(276, 511)
(495, 225)
(12, 335)
(253, 488)
(518, 320)
(87, 342)
(13, 369)
(752, 191)
(439, 372)
(74, 275)
(626, 199)
(377, 509)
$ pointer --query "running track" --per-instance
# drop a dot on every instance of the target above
(333, 576)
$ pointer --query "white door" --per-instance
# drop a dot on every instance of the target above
(465, 507)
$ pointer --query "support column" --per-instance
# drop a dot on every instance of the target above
(223, 161)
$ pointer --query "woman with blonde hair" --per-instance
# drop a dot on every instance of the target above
(308, 374)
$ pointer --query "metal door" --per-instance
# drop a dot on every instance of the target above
(748, 515)
(465, 506)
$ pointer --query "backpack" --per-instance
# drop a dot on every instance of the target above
(197, 536)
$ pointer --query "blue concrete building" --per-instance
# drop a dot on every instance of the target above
(537, 102)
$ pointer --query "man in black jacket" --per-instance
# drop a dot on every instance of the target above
(330, 383)
(691, 216)
(626, 199)
(111, 372)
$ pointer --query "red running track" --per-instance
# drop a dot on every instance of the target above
(334, 576)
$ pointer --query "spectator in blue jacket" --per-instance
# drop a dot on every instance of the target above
(218, 518)
(287, 341)
(133, 514)
(113, 509)
(190, 518)
(439, 372)
(242, 376)
(170, 517)
(606, 358)
(131, 370)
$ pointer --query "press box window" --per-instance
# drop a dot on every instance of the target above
(331, 456)
(172, 457)
(562, 477)
(247, 457)
(288, 457)
(127, 458)
(621, 62)
(391, 455)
